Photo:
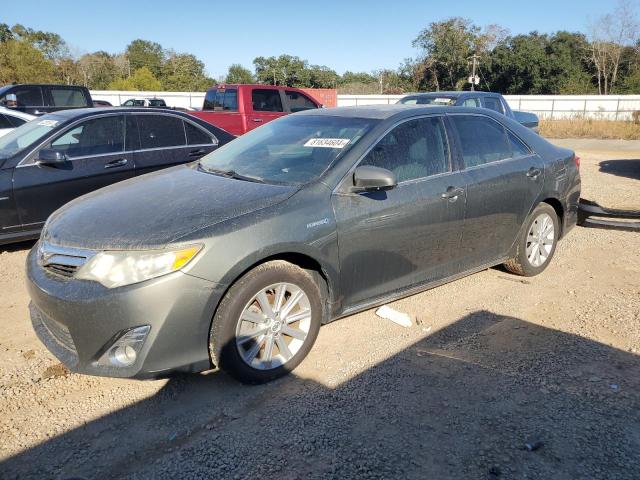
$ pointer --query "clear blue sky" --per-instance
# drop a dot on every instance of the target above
(355, 35)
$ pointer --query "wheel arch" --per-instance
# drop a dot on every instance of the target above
(559, 209)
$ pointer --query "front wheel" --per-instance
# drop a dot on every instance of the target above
(537, 243)
(266, 323)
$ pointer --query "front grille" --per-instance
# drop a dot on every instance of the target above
(62, 261)
(59, 332)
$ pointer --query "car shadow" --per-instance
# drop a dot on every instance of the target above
(629, 168)
(16, 247)
(489, 396)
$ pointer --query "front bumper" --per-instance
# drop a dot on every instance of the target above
(77, 320)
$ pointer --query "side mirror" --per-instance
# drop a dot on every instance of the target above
(49, 156)
(11, 101)
(368, 178)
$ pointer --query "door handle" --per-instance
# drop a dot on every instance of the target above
(258, 120)
(121, 162)
(452, 193)
(534, 173)
(197, 153)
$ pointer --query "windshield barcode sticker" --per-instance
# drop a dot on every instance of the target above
(327, 142)
(48, 123)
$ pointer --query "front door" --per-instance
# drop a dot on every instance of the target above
(503, 179)
(95, 158)
(266, 105)
(389, 241)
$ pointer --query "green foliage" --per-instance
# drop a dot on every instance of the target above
(142, 79)
(184, 72)
(20, 62)
(238, 74)
(143, 53)
(283, 70)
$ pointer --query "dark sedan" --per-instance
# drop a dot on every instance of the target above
(237, 260)
(60, 156)
(490, 100)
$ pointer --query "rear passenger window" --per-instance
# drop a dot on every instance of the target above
(160, 131)
(518, 148)
(266, 100)
(196, 136)
(67, 97)
(299, 102)
(15, 121)
(482, 140)
(414, 149)
(493, 103)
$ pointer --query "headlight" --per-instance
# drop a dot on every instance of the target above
(118, 268)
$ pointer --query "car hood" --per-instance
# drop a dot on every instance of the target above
(154, 210)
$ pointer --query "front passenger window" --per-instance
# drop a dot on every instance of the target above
(414, 149)
(93, 137)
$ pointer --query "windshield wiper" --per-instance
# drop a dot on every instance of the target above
(230, 174)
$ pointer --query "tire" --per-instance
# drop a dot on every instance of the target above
(255, 342)
(526, 262)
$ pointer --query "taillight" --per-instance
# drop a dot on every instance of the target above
(577, 160)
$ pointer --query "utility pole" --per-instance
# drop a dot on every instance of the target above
(474, 79)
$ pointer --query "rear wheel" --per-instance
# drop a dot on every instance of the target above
(266, 323)
(537, 243)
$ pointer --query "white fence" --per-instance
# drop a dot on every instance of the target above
(609, 107)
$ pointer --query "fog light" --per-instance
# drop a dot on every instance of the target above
(124, 351)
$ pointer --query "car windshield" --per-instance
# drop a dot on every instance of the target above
(428, 100)
(292, 150)
(27, 134)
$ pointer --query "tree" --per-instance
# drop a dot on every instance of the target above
(322, 77)
(50, 44)
(21, 62)
(238, 74)
(142, 79)
(5, 32)
(143, 53)
(285, 70)
(184, 72)
(98, 70)
(609, 34)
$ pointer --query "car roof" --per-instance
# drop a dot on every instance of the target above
(381, 112)
(86, 112)
(454, 94)
(17, 113)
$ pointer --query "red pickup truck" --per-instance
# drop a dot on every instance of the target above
(240, 108)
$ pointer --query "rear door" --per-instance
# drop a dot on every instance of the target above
(167, 140)
(503, 178)
(95, 150)
(266, 104)
(220, 108)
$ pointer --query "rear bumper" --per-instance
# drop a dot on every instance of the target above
(592, 215)
(78, 320)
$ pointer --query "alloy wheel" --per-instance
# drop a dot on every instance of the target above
(540, 240)
(273, 326)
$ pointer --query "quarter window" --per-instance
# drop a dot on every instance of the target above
(159, 131)
(414, 149)
(93, 137)
(196, 136)
(482, 140)
(493, 103)
(518, 148)
(67, 97)
(265, 100)
(15, 121)
(4, 122)
(299, 102)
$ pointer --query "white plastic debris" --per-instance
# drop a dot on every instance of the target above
(395, 316)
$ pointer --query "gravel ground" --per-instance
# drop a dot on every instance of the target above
(500, 377)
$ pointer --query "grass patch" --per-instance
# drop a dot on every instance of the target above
(589, 128)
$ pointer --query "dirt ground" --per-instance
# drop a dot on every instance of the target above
(500, 377)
